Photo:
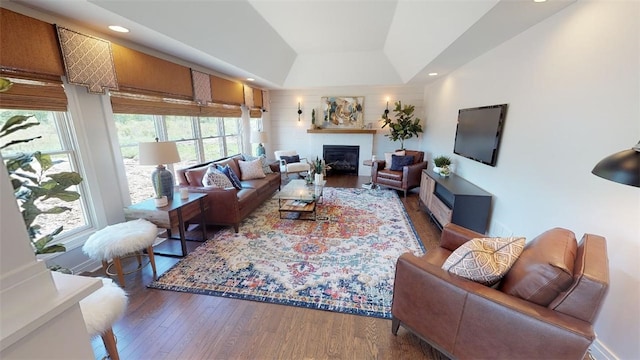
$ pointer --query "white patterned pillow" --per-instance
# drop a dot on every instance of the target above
(215, 178)
(388, 158)
(265, 163)
(250, 170)
(485, 260)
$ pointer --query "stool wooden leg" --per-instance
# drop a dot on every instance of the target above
(109, 341)
(118, 264)
(139, 257)
(152, 260)
(105, 265)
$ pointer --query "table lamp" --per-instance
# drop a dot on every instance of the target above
(160, 153)
(259, 137)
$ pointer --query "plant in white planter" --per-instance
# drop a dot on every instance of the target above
(441, 165)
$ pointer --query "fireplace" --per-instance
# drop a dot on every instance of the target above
(343, 159)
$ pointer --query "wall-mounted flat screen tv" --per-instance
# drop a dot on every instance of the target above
(479, 131)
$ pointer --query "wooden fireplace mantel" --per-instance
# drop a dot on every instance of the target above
(341, 131)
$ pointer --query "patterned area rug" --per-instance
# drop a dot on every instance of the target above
(343, 262)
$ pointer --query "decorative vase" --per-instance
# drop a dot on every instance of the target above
(436, 170)
(319, 178)
(161, 201)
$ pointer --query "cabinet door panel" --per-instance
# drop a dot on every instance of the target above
(427, 185)
(440, 211)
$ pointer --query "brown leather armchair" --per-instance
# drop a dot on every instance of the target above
(404, 180)
(464, 319)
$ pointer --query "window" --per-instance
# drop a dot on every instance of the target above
(56, 140)
(199, 140)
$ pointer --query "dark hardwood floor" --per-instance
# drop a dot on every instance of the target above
(170, 325)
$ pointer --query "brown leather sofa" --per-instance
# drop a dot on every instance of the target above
(230, 206)
(544, 308)
(404, 180)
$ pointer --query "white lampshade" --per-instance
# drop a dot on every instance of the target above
(259, 137)
(157, 153)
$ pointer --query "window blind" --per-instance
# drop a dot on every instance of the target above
(221, 110)
(127, 103)
(28, 48)
(225, 91)
(139, 73)
(34, 95)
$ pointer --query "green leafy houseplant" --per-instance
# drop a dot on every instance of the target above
(442, 164)
(441, 161)
(404, 126)
(34, 185)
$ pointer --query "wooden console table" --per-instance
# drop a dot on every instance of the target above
(454, 199)
(171, 216)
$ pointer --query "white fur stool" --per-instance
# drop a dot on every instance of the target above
(122, 240)
(101, 310)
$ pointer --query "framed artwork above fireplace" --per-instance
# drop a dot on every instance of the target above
(343, 112)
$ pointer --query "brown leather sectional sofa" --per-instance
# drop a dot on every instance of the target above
(544, 308)
(230, 206)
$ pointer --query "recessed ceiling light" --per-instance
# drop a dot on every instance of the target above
(433, 74)
(251, 79)
(539, 0)
(118, 28)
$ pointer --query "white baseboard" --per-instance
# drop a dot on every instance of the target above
(89, 265)
(599, 351)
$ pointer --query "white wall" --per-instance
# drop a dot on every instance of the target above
(573, 89)
(287, 133)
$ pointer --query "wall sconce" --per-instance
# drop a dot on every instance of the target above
(385, 115)
(299, 110)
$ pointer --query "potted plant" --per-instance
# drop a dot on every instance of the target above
(318, 169)
(404, 126)
(441, 165)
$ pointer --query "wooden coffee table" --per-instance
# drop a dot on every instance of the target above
(300, 199)
(171, 216)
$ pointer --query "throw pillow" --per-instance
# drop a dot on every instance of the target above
(387, 157)
(251, 169)
(291, 159)
(485, 260)
(195, 176)
(215, 178)
(231, 175)
(398, 162)
(265, 163)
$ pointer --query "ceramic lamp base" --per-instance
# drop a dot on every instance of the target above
(260, 150)
(162, 177)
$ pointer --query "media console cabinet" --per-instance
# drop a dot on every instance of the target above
(454, 199)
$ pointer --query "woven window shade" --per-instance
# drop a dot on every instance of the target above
(28, 48)
(257, 98)
(34, 95)
(221, 110)
(255, 113)
(140, 73)
(126, 103)
(225, 91)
